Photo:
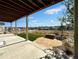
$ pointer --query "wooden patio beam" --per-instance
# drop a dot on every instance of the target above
(26, 4)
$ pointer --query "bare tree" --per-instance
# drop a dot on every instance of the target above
(62, 21)
(69, 15)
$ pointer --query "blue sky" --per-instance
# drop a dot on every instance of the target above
(46, 17)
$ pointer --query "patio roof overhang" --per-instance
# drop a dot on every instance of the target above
(11, 10)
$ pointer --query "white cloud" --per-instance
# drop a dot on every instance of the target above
(51, 21)
(31, 17)
(52, 11)
(34, 21)
(55, 10)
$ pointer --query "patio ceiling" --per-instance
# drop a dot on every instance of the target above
(11, 10)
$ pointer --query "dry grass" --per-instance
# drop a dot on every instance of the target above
(71, 33)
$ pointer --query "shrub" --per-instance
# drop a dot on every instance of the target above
(32, 36)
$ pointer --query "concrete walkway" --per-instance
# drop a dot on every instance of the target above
(21, 50)
(10, 38)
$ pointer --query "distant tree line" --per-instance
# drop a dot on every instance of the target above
(50, 28)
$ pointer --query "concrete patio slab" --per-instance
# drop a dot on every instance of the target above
(22, 50)
(10, 38)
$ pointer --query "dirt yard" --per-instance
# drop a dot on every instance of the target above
(48, 42)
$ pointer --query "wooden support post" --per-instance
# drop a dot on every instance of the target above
(15, 27)
(27, 28)
(11, 27)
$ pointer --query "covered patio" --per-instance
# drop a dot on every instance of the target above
(11, 10)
